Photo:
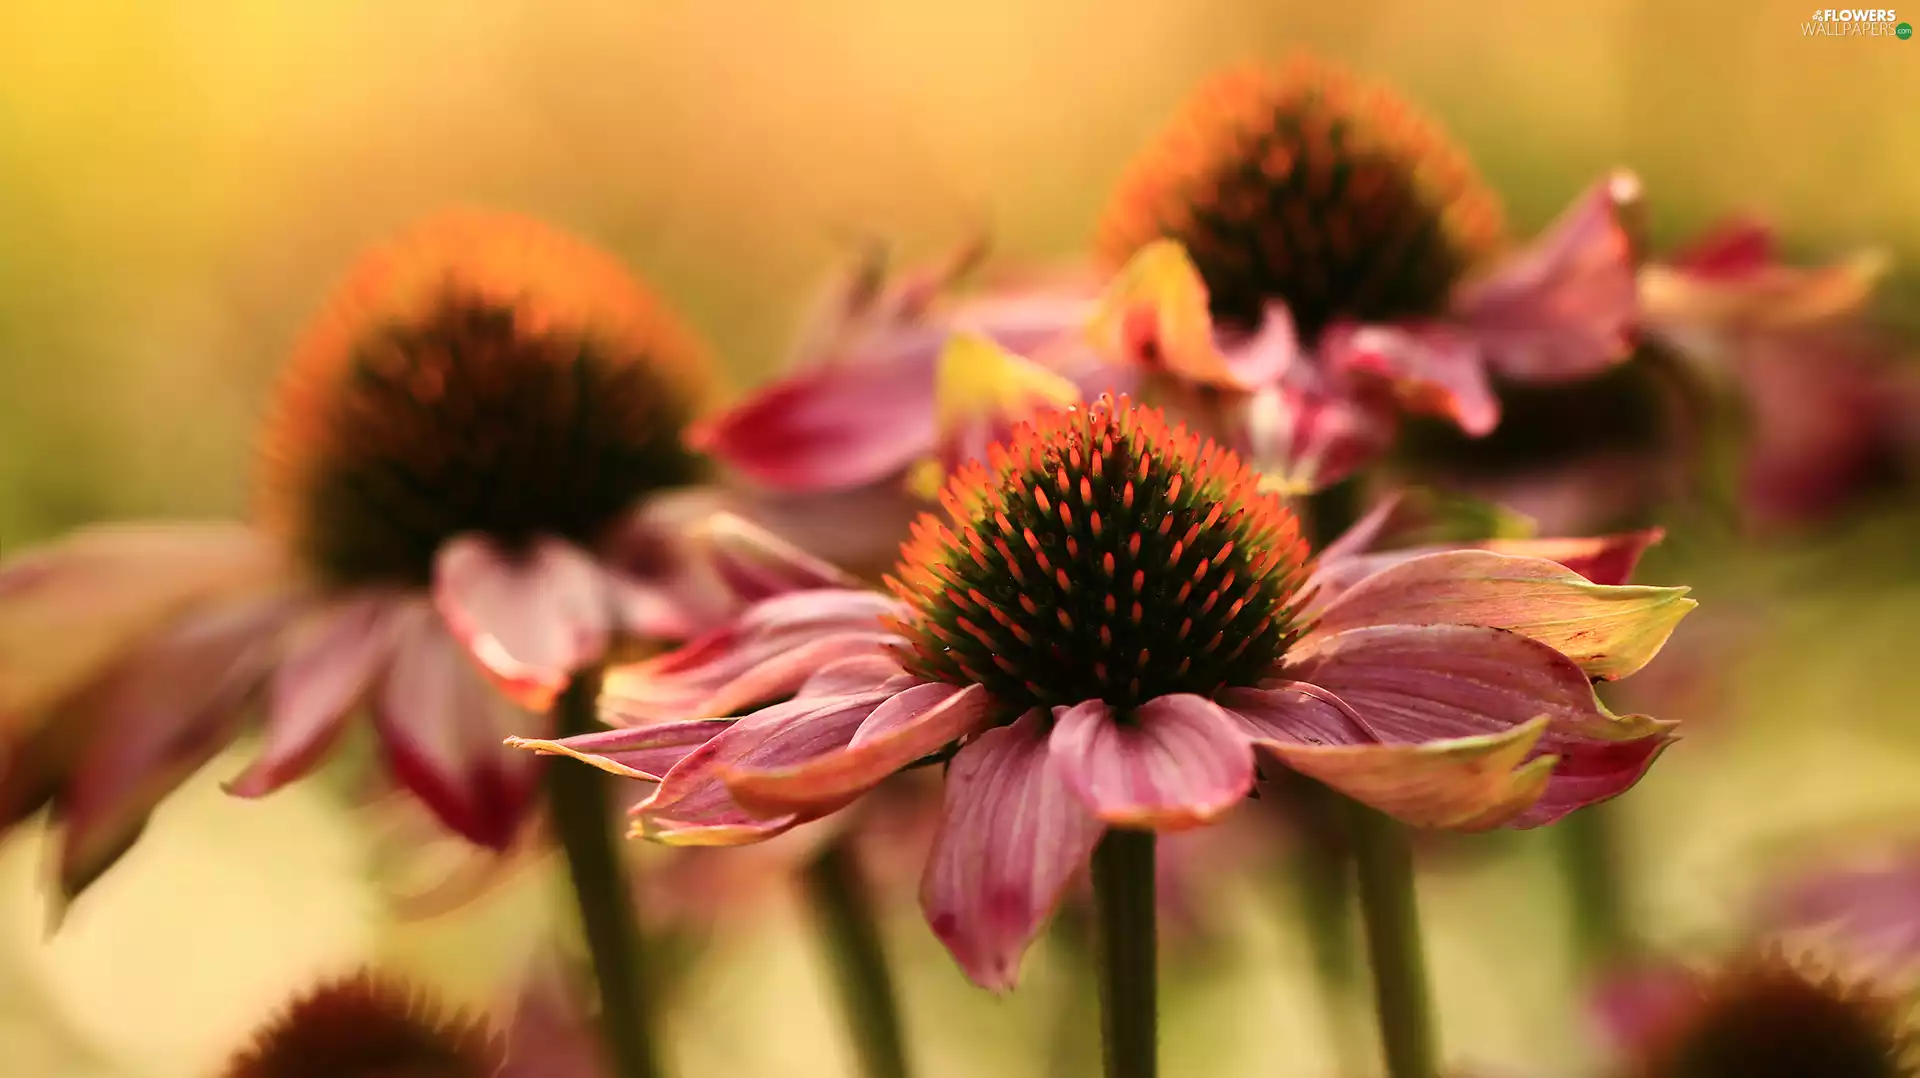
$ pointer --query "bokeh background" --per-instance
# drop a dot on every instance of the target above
(180, 184)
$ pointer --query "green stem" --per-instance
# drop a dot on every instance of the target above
(1124, 905)
(1323, 884)
(1384, 857)
(581, 813)
(1589, 862)
(848, 927)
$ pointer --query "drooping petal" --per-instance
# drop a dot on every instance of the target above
(913, 724)
(859, 530)
(1609, 630)
(1180, 761)
(1414, 685)
(660, 572)
(532, 619)
(70, 608)
(442, 727)
(1461, 783)
(1605, 559)
(154, 720)
(693, 806)
(832, 426)
(1684, 299)
(1431, 368)
(1012, 836)
(325, 673)
(636, 752)
(1565, 308)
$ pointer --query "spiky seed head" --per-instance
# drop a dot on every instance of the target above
(1766, 1016)
(367, 1026)
(483, 372)
(1301, 183)
(1101, 553)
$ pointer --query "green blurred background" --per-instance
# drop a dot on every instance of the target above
(180, 184)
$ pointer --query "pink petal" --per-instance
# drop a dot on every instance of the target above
(442, 726)
(1431, 369)
(1563, 309)
(1419, 685)
(913, 724)
(830, 427)
(642, 752)
(1260, 358)
(153, 721)
(323, 676)
(767, 653)
(1606, 559)
(756, 564)
(1609, 630)
(1178, 762)
(1468, 783)
(693, 805)
(858, 674)
(1732, 248)
(1635, 1007)
(532, 618)
(1012, 836)
(1310, 438)
(859, 529)
(70, 608)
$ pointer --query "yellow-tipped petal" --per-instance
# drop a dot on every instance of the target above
(1156, 313)
(979, 380)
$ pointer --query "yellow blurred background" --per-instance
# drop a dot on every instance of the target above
(180, 183)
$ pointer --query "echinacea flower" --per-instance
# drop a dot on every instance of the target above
(1344, 265)
(1761, 1015)
(1831, 409)
(1114, 618)
(1318, 205)
(469, 475)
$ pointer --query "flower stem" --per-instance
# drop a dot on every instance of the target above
(577, 799)
(844, 911)
(1589, 862)
(1321, 873)
(1124, 905)
(1384, 858)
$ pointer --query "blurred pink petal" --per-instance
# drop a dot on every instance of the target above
(532, 617)
(155, 719)
(1432, 369)
(756, 564)
(1867, 910)
(1180, 761)
(1012, 837)
(912, 724)
(830, 427)
(1734, 248)
(550, 1035)
(442, 725)
(70, 608)
(326, 671)
(1565, 308)
(1609, 630)
(1634, 1007)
